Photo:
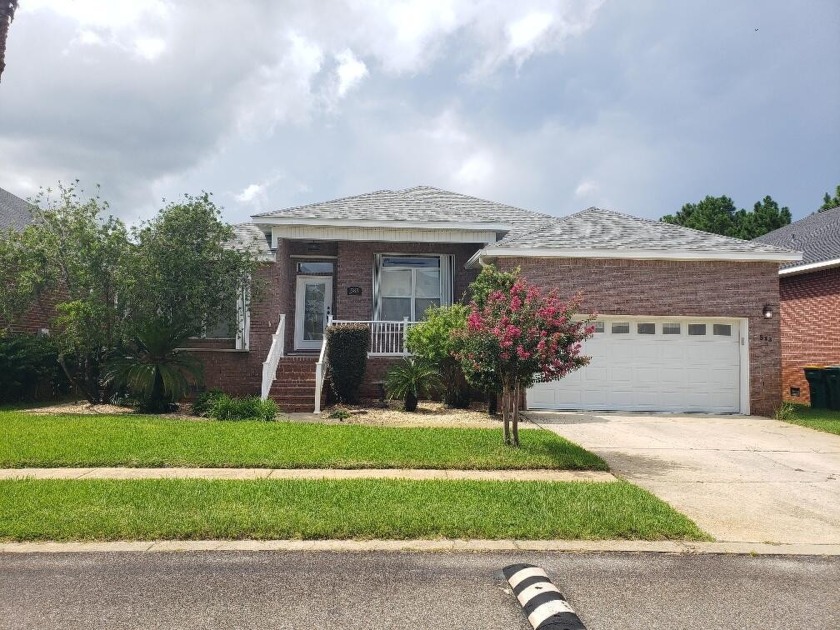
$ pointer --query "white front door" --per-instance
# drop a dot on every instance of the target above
(313, 304)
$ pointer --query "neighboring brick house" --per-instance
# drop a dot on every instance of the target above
(680, 326)
(16, 214)
(810, 298)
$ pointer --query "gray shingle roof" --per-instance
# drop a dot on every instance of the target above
(817, 236)
(595, 228)
(420, 204)
(248, 235)
(15, 213)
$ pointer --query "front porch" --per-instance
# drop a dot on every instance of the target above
(296, 380)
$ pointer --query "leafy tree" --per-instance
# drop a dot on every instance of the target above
(81, 257)
(713, 214)
(518, 335)
(183, 268)
(490, 280)
(433, 340)
(830, 202)
(719, 215)
(179, 267)
(765, 217)
(152, 368)
(7, 14)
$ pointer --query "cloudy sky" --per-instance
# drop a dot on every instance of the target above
(551, 105)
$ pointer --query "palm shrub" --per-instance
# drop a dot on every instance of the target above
(152, 368)
(410, 379)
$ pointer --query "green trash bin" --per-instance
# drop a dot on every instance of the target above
(832, 385)
(818, 386)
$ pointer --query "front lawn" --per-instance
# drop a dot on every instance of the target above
(188, 509)
(819, 419)
(147, 441)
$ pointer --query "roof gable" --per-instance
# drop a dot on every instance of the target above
(817, 236)
(418, 205)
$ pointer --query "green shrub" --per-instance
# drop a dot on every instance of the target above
(29, 369)
(204, 402)
(785, 412)
(347, 348)
(339, 414)
(226, 407)
(410, 379)
(433, 340)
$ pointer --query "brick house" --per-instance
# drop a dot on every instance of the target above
(680, 325)
(16, 214)
(810, 298)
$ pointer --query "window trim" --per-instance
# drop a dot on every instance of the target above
(445, 266)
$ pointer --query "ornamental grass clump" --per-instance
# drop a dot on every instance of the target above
(517, 337)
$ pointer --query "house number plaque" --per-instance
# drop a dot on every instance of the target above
(354, 290)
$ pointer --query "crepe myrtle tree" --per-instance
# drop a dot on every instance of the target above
(518, 337)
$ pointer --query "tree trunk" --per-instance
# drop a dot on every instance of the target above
(76, 384)
(410, 402)
(515, 410)
(506, 412)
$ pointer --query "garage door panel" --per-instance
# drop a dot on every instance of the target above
(651, 373)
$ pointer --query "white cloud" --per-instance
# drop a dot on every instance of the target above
(250, 193)
(525, 34)
(476, 171)
(350, 71)
(149, 48)
(586, 188)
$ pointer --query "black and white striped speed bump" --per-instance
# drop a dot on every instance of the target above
(540, 599)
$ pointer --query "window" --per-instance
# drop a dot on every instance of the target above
(671, 328)
(223, 329)
(619, 328)
(646, 329)
(697, 329)
(315, 267)
(599, 327)
(408, 285)
(723, 330)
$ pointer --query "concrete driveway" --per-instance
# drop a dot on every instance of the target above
(740, 478)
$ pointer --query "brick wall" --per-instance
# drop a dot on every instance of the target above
(703, 289)
(810, 327)
(355, 269)
(240, 372)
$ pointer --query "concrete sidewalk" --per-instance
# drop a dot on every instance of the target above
(304, 473)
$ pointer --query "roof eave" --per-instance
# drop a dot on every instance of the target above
(817, 266)
(392, 223)
(636, 254)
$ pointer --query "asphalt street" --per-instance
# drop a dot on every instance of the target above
(378, 590)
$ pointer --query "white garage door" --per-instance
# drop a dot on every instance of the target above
(653, 364)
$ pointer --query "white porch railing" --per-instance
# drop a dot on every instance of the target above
(321, 369)
(275, 352)
(387, 338)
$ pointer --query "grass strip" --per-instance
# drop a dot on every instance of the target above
(819, 419)
(188, 509)
(147, 441)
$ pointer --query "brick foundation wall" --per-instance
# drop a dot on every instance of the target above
(810, 319)
(702, 289)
